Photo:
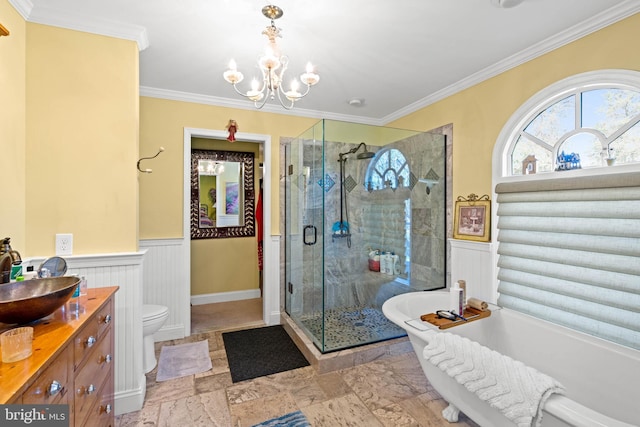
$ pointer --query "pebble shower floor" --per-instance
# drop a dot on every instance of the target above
(351, 326)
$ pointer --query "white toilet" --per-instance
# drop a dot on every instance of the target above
(153, 317)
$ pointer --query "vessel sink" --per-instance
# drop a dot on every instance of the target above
(30, 300)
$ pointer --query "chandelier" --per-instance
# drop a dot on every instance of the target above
(273, 66)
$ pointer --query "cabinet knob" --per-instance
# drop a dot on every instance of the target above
(91, 341)
(106, 408)
(54, 388)
(90, 389)
(107, 319)
(105, 359)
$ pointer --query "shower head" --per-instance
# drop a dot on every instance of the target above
(365, 155)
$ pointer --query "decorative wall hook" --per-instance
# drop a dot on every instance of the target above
(160, 150)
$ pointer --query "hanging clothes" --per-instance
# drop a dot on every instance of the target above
(259, 220)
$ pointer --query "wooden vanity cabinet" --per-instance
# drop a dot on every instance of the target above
(54, 385)
(76, 370)
(93, 363)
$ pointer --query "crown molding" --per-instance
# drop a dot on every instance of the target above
(23, 7)
(174, 95)
(597, 22)
(56, 18)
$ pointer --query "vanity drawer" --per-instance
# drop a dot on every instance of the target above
(102, 414)
(91, 378)
(84, 343)
(88, 337)
(52, 385)
(104, 318)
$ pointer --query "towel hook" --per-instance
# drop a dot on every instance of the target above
(160, 150)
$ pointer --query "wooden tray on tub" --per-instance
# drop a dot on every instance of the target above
(470, 314)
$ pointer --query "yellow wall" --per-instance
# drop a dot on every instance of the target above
(82, 141)
(162, 123)
(479, 113)
(12, 127)
(68, 138)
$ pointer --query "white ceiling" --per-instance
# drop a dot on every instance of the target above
(398, 56)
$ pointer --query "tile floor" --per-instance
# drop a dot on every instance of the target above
(387, 392)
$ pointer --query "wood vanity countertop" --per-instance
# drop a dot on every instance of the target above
(50, 335)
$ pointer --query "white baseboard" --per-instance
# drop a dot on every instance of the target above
(225, 296)
(274, 318)
(171, 332)
(130, 400)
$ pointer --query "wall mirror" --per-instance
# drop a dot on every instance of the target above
(222, 194)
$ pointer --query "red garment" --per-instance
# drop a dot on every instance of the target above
(232, 133)
(259, 222)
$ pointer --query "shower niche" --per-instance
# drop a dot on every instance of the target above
(365, 220)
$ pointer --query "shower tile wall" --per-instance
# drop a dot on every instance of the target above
(376, 221)
(428, 211)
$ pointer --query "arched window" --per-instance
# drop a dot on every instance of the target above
(567, 190)
(389, 169)
(587, 121)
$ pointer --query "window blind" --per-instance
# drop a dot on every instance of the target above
(569, 253)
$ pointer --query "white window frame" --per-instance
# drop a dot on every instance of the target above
(501, 160)
(371, 169)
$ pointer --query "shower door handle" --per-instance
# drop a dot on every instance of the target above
(315, 235)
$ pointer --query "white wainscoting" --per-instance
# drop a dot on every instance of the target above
(166, 268)
(475, 263)
(124, 270)
(165, 272)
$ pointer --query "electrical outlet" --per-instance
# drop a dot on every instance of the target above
(64, 244)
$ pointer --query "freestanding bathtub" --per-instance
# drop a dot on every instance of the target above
(602, 379)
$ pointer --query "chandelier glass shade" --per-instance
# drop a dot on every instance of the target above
(273, 66)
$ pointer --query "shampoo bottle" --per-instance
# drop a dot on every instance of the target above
(456, 302)
(385, 263)
(392, 264)
(462, 284)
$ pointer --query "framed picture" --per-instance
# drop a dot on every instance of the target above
(472, 219)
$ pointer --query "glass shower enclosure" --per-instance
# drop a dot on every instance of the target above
(365, 220)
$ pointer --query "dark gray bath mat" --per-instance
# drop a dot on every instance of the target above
(258, 352)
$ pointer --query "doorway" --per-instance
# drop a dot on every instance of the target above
(271, 273)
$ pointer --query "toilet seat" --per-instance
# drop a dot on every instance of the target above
(152, 312)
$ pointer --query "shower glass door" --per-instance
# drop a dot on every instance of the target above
(304, 246)
(365, 220)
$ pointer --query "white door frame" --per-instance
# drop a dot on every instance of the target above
(271, 249)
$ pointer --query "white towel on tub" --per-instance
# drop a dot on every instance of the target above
(518, 391)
